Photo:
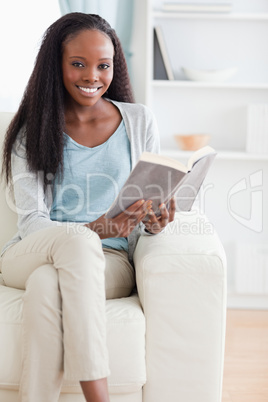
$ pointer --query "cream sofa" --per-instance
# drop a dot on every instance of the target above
(166, 343)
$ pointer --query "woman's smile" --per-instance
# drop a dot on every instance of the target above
(88, 90)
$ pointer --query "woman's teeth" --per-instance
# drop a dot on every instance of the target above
(88, 90)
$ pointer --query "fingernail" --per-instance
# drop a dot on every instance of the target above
(162, 206)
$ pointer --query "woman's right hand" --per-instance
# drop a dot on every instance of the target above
(123, 224)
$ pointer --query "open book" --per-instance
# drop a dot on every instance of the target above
(158, 178)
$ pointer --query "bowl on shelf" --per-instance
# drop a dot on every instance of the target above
(191, 142)
(209, 75)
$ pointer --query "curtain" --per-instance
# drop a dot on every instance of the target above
(119, 14)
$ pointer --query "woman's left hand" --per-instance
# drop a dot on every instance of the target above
(156, 224)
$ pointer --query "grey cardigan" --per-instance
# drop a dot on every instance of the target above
(33, 204)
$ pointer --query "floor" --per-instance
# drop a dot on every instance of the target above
(246, 357)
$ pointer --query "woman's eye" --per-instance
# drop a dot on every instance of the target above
(104, 66)
(77, 64)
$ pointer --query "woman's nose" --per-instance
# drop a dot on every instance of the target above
(90, 75)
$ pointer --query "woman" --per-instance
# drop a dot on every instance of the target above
(68, 151)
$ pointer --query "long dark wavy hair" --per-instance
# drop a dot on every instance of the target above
(41, 112)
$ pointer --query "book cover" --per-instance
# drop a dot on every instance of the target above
(160, 72)
(159, 178)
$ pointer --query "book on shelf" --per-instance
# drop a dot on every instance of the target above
(162, 66)
(205, 7)
(257, 129)
(158, 178)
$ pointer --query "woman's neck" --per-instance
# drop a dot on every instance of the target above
(85, 114)
(92, 126)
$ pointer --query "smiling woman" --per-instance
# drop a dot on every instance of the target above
(73, 141)
(19, 47)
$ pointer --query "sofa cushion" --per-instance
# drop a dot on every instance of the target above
(126, 343)
(8, 215)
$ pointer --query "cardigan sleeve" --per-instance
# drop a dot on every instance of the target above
(31, 202)
(152, 140)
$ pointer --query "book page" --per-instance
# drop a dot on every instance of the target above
(163, 160)
(198, 155)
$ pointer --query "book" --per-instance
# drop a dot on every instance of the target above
(162, 66)
(158, 178)
(197, 7)
(160, 72)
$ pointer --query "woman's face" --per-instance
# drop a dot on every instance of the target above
(87, 66)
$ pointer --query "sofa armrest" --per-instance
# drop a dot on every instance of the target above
(181, 281)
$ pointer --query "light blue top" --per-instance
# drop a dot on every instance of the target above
(92, 178)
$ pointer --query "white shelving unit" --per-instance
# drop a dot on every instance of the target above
(235, 192)
(214, 16)
(217, 85)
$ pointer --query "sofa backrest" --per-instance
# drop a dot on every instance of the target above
(8, 218)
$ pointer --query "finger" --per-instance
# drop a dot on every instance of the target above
(130, 210)
(164, 215)
(137, 215)
(132, 221)
(139, 207)
(153, 223)
(134, 207)
(172, 209)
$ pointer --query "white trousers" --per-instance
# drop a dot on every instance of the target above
(64, 322)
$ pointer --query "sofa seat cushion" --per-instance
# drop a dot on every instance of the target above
(125, 337)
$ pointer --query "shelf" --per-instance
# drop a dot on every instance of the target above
(213, 16)
(222, 155)
(199, 84)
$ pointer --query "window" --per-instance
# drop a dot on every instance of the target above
(22, 25)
